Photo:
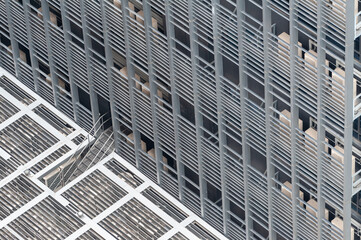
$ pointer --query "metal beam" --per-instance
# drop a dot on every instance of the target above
(87, 46)
(294, 114)
(348, 121)
(33, 60)
(221, 124)
(175, 98)
(152, 85)
(46, 18)
(131, 74)
(14, 43)
(241, 7)
(321, 57)
(267, 21)
(67, 39)
(109, 64)
(198, 116)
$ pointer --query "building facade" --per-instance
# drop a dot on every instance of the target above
(246, 111)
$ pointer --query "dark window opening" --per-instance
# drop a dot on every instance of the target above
(186, 110)
(190, 186)
(306, 188)
(214, 194)
(24, 54)
(258, 227)
(210, 126)
(169, 165)
(118, 60)
(171, 162)
(160, 18)
(77, 42)
(356, 206)
(5, 40)
(45, 72)
(98, 46)
(237, 213)
(67, 87)
(44, 68)
(76, 30)
(227, 5)
(234, 145)
(211, 138)
(98, 36)
(256, 87)
(76, 34)
(191, 175)
(165, 83)
(149, 143)
(193, 180)
(206, 55)
(35, 3)
(181, 36)
(84, 98)
(117, 66)
(64, 88)
(230, 71)
(55, 17)
(182, 49)
(258, 161)
(125, 126)
(104, 109)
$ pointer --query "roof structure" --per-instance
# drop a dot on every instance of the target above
(107, 199)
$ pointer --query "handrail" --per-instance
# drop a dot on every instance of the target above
(110, 137)
(80, 162)
(78, 155)
(61, 171)
(95, 157)
(71, 157)
(96, 123)
(108, 148)
(101, 126)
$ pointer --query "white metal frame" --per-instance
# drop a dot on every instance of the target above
(67, 140)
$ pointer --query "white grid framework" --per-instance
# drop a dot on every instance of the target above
(36, 193)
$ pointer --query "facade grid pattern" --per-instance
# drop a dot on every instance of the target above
(247, 111)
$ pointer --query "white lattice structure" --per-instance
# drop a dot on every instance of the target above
(109, 200)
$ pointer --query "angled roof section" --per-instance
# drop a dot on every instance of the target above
(108, 199)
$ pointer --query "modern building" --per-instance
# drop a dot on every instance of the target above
(246, 111)
(108, 199)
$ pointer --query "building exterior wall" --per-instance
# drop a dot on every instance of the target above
(231, 106)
